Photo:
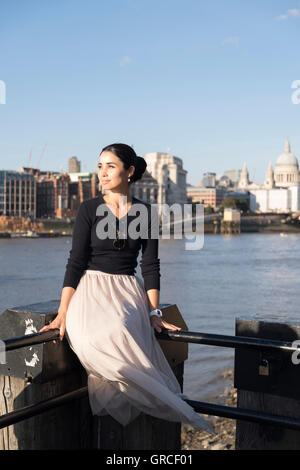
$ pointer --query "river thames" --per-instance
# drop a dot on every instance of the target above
(230, 276)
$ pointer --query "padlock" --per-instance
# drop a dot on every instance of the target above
(264, 368)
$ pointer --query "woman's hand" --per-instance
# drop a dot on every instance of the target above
(158, 323)
(58, 322)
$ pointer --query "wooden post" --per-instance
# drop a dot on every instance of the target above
(36, 373)
(148, 432)
(216, 226)
(267, 382)
(145, 432)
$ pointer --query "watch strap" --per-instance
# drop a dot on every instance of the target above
(156, 312)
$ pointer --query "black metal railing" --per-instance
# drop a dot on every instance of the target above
(181, 336)
(224, 341)
(29, 340)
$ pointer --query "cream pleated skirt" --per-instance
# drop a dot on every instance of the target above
(108, 328)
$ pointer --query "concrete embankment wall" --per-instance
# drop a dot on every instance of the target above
(262, 224)
(249, 224)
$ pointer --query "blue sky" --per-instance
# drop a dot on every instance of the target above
(208, 82)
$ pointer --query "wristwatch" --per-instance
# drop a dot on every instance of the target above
(157, 312)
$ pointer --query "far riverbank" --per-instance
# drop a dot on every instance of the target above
(256, 223)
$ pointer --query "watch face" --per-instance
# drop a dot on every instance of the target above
(156, 312)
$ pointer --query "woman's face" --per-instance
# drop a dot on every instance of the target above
(112, 174)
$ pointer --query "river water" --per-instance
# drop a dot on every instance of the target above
(230, 276)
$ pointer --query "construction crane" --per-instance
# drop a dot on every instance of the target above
(29, 157)
(41, 156)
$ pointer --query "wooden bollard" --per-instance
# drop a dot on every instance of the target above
(267, 381)
(147, 432)
(36, 373)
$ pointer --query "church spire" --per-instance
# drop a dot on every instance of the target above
(269, 181)
(244, 170)
(244, 178)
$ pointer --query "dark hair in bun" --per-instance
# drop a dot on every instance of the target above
(129, 157)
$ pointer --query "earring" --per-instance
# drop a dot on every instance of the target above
(128, 180)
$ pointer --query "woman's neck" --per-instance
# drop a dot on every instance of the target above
(117, 198)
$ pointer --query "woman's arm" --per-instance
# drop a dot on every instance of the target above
(80, 251)
(77, 263)
(59, 321)
(156, 322)
(150, 267)
(150, 263)
(153, 298)
(66, 295)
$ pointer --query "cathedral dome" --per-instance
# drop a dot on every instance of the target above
(286, 171)
(287, 159)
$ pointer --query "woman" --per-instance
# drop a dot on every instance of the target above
(107, 313)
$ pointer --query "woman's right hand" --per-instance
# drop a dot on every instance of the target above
(58, 322)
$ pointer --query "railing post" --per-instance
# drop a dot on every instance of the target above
(35, 373)
(267, 381)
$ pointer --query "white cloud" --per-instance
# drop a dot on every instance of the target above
(125, 61)
(293, 13)
(233, 40)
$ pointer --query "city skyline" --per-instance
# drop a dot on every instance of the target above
(210, 84)
(95, 170)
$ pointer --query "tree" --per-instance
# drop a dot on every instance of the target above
(228, 202)
(233, 203)
(242, 205)
(209, 210)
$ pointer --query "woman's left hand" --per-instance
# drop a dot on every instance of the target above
(157, 323)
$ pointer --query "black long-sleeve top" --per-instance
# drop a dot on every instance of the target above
(89, 251)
